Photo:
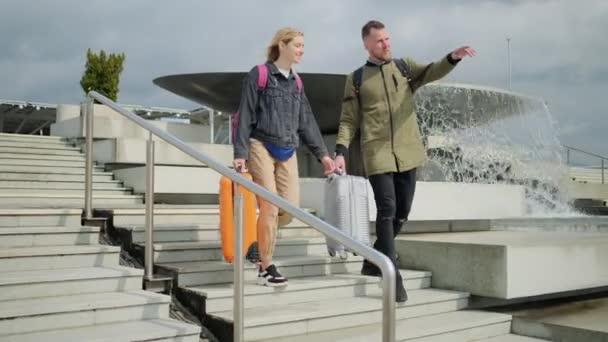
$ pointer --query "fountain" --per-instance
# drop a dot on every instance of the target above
(486, 135)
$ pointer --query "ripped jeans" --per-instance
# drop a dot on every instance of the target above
(394, 194)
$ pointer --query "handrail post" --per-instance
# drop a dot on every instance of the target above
(229, 129)
(238, 304)
(602, 171)
(389, 279)
(211, 127)
(149, 259)
(88, 182)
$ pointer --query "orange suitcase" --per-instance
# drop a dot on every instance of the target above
(227, 230)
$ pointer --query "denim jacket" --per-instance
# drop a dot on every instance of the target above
(279, 114)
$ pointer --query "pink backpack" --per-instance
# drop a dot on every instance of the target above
(262, 81)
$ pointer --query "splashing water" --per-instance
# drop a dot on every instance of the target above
(485, 135)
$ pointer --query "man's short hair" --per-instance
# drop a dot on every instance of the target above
(372, 24)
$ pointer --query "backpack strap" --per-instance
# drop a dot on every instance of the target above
(357, 80)
(298, 82)
(405, 71)
(262, 76)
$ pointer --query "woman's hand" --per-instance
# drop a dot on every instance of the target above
(240, 165)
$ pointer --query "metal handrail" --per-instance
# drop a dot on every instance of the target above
(602, 158)
(383, 262)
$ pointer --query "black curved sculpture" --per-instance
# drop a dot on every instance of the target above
(221, 91)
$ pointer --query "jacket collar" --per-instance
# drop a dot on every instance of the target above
(275, 71)
(372, 64)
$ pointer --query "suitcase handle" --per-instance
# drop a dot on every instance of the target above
(336, 173)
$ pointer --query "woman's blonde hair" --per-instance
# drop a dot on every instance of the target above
(284, 35)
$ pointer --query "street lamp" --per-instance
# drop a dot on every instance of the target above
(509, 62)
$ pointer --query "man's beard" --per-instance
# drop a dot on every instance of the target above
(385, 56)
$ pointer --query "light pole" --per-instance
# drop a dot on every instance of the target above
(509, 63)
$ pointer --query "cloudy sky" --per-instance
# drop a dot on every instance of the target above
(559, 48)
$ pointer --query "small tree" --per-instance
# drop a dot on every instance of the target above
(102, 73)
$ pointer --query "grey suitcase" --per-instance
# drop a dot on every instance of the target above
(346, 207)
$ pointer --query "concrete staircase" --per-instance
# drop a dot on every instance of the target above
(46, 172)
(326, 299)
(587, 175)
(57, 283)
(60, 285)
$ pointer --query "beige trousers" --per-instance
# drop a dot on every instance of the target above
(279, 177)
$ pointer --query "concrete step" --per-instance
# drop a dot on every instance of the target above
(220, 272)
(31, 156)
(212, 250)
(57, 257)
(105, 185)
(39, 217)
(48, 236)
(47, 151)
(39, 314)
(298, 232)
(53, 177)
(39, 151)
(457, 326)
(205, 232)
(66, 282)
(584, 170)
(577, 319)
(511, 338)
(148, 330)
(4, 167)
(28, 137)
(307, 289)
(43, 162)
(37, 146)
(316, 316)
(61, 191)
(298, 229)
(64, 201)
(594, 180)
(590, 173)
(176, 233)
(205, 217)
(34, 143)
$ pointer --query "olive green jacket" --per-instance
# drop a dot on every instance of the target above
(383, 111)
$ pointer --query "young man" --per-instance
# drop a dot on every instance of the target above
(378, 102)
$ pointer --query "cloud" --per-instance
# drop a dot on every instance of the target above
(557, 47)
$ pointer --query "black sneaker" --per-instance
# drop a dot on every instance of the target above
(370, 269)
(400, 293)
(271, 277)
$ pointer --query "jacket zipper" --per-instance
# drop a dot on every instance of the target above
(390, 115)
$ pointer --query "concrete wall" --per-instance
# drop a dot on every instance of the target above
(133, 151)
(509, 265)
(108, 124)
(172, 179)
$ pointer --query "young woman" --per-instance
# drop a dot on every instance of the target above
(274, 114)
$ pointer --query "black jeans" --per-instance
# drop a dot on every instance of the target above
(394, 194)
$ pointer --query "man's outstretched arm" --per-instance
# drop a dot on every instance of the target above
(423, 74)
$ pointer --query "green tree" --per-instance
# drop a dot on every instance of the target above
(102, 73)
